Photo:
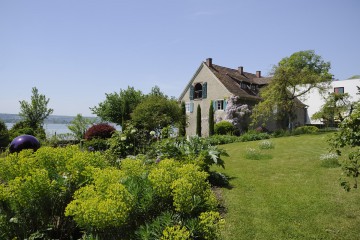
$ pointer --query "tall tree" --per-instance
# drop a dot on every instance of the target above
(117, 107)
(36, 111)
(182, 124)
(293, 77)
(198, 121)
(211, 119)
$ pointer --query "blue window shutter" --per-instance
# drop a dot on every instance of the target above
(191, 92)
(204, 90)
(225, 103)
(191, 107)
(214, 105)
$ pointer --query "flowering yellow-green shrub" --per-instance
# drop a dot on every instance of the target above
(162, 177)
(175, 233)
(133, 167)
(191, 191)
(210, 224)
(105, 204)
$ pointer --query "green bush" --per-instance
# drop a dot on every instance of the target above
(253, 136)
(4, 135)
(224, 128)
(96, 144)
(222, 139)
(305, 130)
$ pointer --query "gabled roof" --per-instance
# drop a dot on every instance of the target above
(231, 80)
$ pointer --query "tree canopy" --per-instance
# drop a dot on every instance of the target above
(117, 107)
(36, 111)
(156, 112)
(292, 77)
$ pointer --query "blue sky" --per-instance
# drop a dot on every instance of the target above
(76, 51)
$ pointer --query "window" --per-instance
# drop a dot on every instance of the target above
(219, 104)
(198, 91)
(189, 106)
(339, 90)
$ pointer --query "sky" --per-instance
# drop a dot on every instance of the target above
(76, 51)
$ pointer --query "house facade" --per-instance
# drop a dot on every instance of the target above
(214, 85)
(315, 100)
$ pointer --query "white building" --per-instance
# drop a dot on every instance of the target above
(315, 100)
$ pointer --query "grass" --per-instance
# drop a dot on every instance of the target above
(288, 196)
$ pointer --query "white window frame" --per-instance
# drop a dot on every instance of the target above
(219, 105)
(187, 107)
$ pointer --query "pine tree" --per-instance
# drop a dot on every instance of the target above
(182, 125)
(198, 121)
(211, 119)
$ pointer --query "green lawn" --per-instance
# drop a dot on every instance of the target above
(289, 196)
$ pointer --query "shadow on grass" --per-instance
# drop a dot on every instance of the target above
(220, 180)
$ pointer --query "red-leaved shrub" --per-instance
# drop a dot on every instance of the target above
(101, 130)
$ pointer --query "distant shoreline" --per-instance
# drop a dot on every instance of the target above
(52, 119)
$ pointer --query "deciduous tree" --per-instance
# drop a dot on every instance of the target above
(117, 107)
(293, 77)
(36, 111)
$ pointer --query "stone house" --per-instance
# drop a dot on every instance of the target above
(216, 84)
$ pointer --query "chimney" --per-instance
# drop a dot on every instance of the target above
(241, 70)
(209, 62)
(258, 74)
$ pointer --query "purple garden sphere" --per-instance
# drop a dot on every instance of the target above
(24, 142)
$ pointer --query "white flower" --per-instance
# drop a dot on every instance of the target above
(133, 131)
(123, 138)
(152, 133)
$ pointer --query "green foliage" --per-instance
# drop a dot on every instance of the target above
(305, 130)
(131, 141)
(253, 136)
(35, 112)
(354, 77)
(335, 108)
(349, 136)
(175, 233)
(36, 187)
(101, 130)
(182, 123)
(155, 113)
(224, 128)
(4, 135)
(293, 77)
(211, 225)
(195, 150)
(198, 121)
(329, 160)
(117, 107)
(106, 203)
(23, 127)
(211, 120)
(78, 126)
(223, 139)
(95, 144)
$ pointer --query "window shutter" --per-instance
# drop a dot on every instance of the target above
(214, 105)
(191, 92)
(225, 103)
(204, 90)
(191, 107)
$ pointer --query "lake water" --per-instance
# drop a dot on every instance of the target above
(55, 128)
(50, 128)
